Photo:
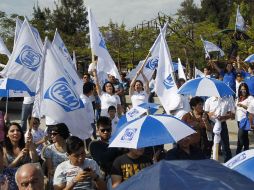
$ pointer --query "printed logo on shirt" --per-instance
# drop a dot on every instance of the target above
(62, 93)
(128, 134)
(29, 58)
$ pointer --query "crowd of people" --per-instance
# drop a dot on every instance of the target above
(52, 158)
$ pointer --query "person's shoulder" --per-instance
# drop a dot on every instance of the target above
(63, 165)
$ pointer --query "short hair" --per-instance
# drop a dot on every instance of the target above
(195, 101)
(87, 74)
(104, 87)
(37, 166)
(60, 128)
(88, 87)
(181, 80)
(73, 144)
(35, 119)
(111, 108)
(104, 121)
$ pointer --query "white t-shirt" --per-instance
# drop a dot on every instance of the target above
(180, 106)
(237, 84)
(251, 107)
(138, 98)
(220, 106)
(28, 100)
(65, 172)
(114, 123)
(240, 111)
(88, 108)
(108, 100)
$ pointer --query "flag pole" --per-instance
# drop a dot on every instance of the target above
(148, 55)
(6, 106)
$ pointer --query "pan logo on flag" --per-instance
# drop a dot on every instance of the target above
(65, 52)
(102, 42)
(152, 63)
(61, 93)
(29, 58)
(128, 134)
(168, 82)
(133, 113)
(69, 76)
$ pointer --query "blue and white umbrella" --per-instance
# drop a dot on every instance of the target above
(150, 130)
(243, 163)
(13, 88)
(205, 87)
(249, 59)
(139, 110)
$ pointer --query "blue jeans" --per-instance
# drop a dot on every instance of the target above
(26, 112)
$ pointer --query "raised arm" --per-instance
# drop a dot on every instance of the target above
(146, 84)
(131, 89)
(98, 87)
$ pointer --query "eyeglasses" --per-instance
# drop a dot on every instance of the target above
(104, 130)
(53, 134)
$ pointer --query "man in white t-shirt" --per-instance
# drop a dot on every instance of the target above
(78, 172)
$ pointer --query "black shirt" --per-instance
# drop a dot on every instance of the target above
(179, 154)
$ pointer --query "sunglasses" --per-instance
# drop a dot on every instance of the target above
(104, 130)
(53, 134)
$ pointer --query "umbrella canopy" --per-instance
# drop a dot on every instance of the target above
(243, 163)
(249, 59)
(205, 87)
(185, 175)
(150, 130)
(137, 111)
(13, 88)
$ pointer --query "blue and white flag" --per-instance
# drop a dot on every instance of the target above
(25, 59)
(156, 45)
(181, 73)
(58, 43)
(64, 57)
(198, 73)
(239, 23)
(3, 48)
(210, 47)
(61, 102)
(165, 86)
(34, 31)
(105, 63)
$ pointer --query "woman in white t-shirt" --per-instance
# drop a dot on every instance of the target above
(242, 103)
(138, 92)
(107, 96)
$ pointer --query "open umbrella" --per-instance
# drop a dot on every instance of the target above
(243, 163)
(150, 130)
(137, 111)
(185, 175)
(249, 59)
(205, 87)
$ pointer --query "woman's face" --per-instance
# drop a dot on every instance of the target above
(109, 88)
(138, 86)
(14, 134)
(243, 91)
(199, 108)
(55, 136)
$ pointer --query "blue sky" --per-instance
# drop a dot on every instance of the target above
(131, 12)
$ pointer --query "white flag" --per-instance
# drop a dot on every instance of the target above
(210, 47)
(181, 73)
(3, 48)
(74, 60)
(34, 31)
(61, 102)
(165, 86)
(239, 23)
(198, 73)
(63, 54)
(25, 60)
(105, 63)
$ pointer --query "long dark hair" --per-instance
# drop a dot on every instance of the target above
(104, 87)
(7, 142)
(247, 90)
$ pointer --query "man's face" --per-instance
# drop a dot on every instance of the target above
(112, 113)
(105, 132)
(77, 158)
(86, 78)
(30, 180)
(111, 78)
